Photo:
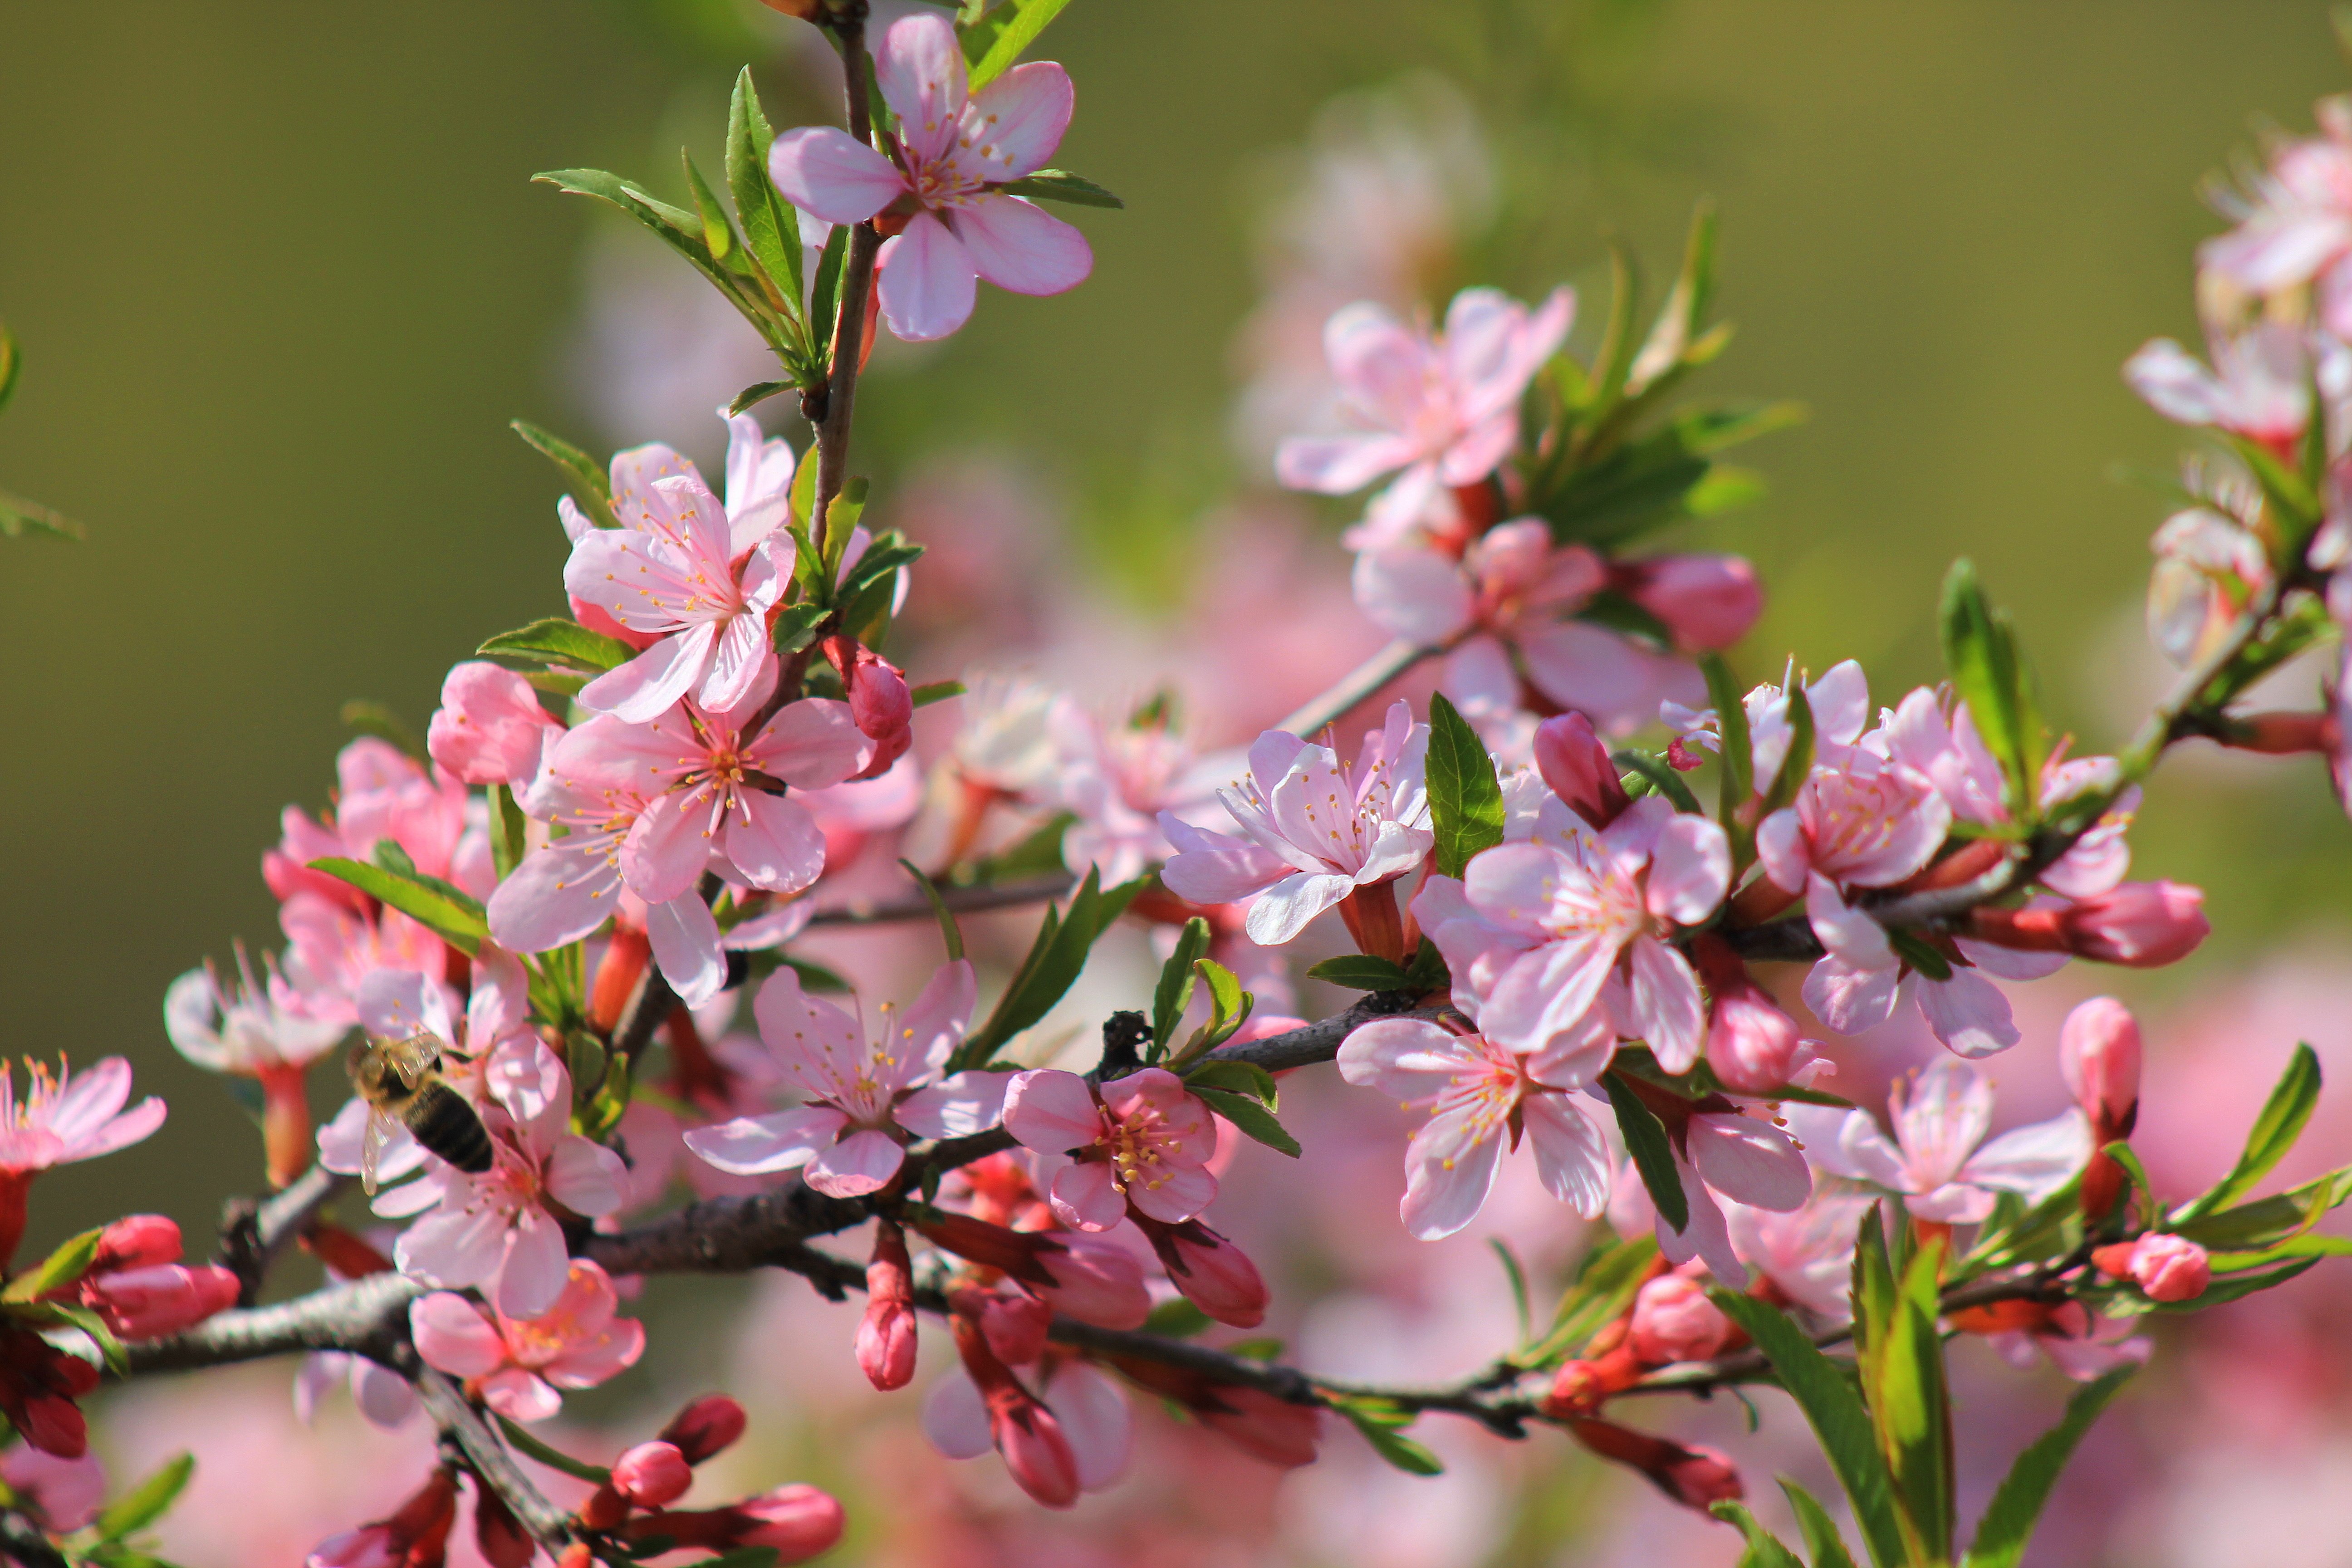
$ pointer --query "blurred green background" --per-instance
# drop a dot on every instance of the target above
(281, 282)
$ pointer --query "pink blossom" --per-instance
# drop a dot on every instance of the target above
(1142, 1140)
(1212, 1273)
(1096, 1280)
(518, 1364)
(1478, 1095)
(62, 1120)
(495, 1230)
(1315, 831)
(865, 1093)
(1751, 1044)
(945, 172)
(381, 792)
(1859, 820)
(1674, 1321)
(1840, 702)
(1858, 985)
(2099, 1052)
(2079, 1345)
(1704, 602)
(1117, 780)
(1561, 912)
(332, 948)
(489, 727)
(398, 1003)
(2260, 386)
(239, 1027)
(61, 1495)
(1074, 1434)
(2207, 567)
(1444, 408)
(652, 1474)
(1934, 1161)
(1575, 765)
(1806, 1253)
(1508, 606)
(2295, 223)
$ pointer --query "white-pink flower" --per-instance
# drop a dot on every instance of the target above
(1557, 913)
(1315, 830)
(1480, 1095)
(865, 1092)
(63, 1119)
(2209, 566)
(518, 1366)
(490, 728)
(1719, 1154)
(1506, 608)
(1807, 1252)
(1859, 820)
(395, 1003)
(494, 1230)
(1116, 779)
(2296, 227)
(241, 1028)
(953, 154)
(674, 571)
(2259, 387)
(1446, 410)
(1935, 1162)
(1143, 1141)
(1840, 702)
(1859, 981)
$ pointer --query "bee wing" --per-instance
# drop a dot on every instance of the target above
(371, 1152)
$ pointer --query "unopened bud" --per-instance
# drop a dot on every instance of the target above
(652, 1475)
(2144, 925)
(885, 1335)
(1576, 766)
(711, 1424)
(1016, 1325)
(1694, 1476)
(1706, 601)
(798, 1520)
(500, 1535)
(136, 1241)
(2167, 1268)
(2099, 1051)
(1213, 1274)
(148, 1303)
(879, 700)
(1674, 1321)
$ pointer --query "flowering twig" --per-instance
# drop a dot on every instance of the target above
(462, 1425)
(22, 1541)
(255, 1231)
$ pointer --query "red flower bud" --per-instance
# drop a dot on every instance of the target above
(500, 1535)
(709, 1424)
(652, 1474)
(1026, 1436)
(2167, 1268)
(879, 700)
(885, 1335)
(1692, 1477)
(798, 1520)
(2099, 1051)
(1213, 1274)
(1576, 766)
(2142, 925)
(1706, 601)
(136, 1241)
(1674, 1321)
(148, 1303)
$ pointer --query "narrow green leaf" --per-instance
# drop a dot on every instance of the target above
(1229, 1009)
(796, 626)
(1763, 1549)
(1061, 185)
(374, 719)
(824, 302)
(1177, 980)
(557, 640)
(884, 556)
(1837, 1416)
(554, 1458)
(457, 918)
(997, 40)
(2009, 1518)
(1989, 674)
(1820, 1531)
(1661, 777)
(1911, 1408)
(11, 365)
(509, 832)
(1606, 1281)
(1645, 1139)
(1676, 328)
(935, 692)
(2273, 1134)
(2265, 1222)
(1361, 971)
(770, 229)
(1241, 1077)
(1465, 798)
(1381, 1431)
(1248, 1116)
(951, 933)
(718, 234)
(1731, 722)
(69, 1261)
(83, 1318)
(595, 485)
(1798, 764)
(145, 1503)
(1518, 1277)
(1053, 964)
(1920, 954)
(1176, 1318)
(757, 393)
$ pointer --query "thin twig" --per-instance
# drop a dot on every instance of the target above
(959, 900)
(487, 1457)
(254, 1233)
(857, 280)
(1360, 684)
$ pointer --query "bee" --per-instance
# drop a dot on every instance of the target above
(400, 1081)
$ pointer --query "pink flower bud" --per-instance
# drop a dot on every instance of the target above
(63, 1495)
(1035, 1451)
(1702, 1477)
(1214, 1275)
(1674, 1321)
(885, 1335)
(1750, 1042)
(1016, 1326)
(504, 1542)
(652, 1475)
(1706, 601)
(413, 1535)
(1576, 766)
(879, 700)
(489, 726)
(798, 1520)
(136, 1241)
(2099, 1051)
(162, 1298)
(1096, 1280)
(2143, 925)
(1692, 1477)
(2167, 1268)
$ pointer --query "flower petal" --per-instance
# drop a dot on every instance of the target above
(1020, 247)
(1051, 1111)
(759, 1145)
(830, 173)
(927, 281)
(860, 1164)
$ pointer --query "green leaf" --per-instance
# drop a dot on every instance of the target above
(68, 1263)
(375, 718)
(1763, 1549)
(2009, 1518)
(1241, 1077)
(1177, 979)
(19, 517)
(554, 1458)
(11, 365)
(1636, 1062)
(145, 1503)
(1645, 1139)
(2121, 1154)
(744, 1557)
(2265, 1222)
(1229, 1009)
(1989, 674)
(595, 485)
(1465, 798)
(1911, 1407)
(997, 40)
(718, 234)
(1176, 1318)
(1248, 1116)
(557, 640)
(1361, 972)
(1039, 855)
(1427, 971)
(757, 393)
(1061, 185)
(1820, 1531)
(1052, 965)
(1606, 1282)
(825, 302)
(1380, 1424)
(54, 1313)
(772, 230)
(1920, 954)
(883, 557)
(935, 692)
(1668, 346)
(1661, 777)
(951, 933)
(456, 917)
(2273, 1134)
(1837, 1416)
(1517, 1278)
(1798, 764)
(796, 626)
(2050, 1228)
(509, 832)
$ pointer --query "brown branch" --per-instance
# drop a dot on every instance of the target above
(959, 900)
(254, 1232)
(848, 25)
(368, 1316)
(462, 1425)
(1358, 685)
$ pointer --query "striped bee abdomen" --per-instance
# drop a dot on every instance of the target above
(442, 1120)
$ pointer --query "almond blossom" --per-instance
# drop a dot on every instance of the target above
(1858, 820)
(1444, 408)
(1542, 924)
(1140, 1140)
(490, 727)
(1074, 1433)
(1118, 779)
(1478, 1095)
(1505, 610)
(941, 183)
(381, 792)
(496, 1231)
(1861, 978)
(1805, 1253)
(61, 1121)
(865, 1093)
(1316, 831)
(241, 1029)
(1840, 702)
(2259, 387)
(516, 1366)
(2295, 222)
(1938, 1161)
(1723, 1157)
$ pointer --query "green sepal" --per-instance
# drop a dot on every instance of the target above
(65, 1265)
